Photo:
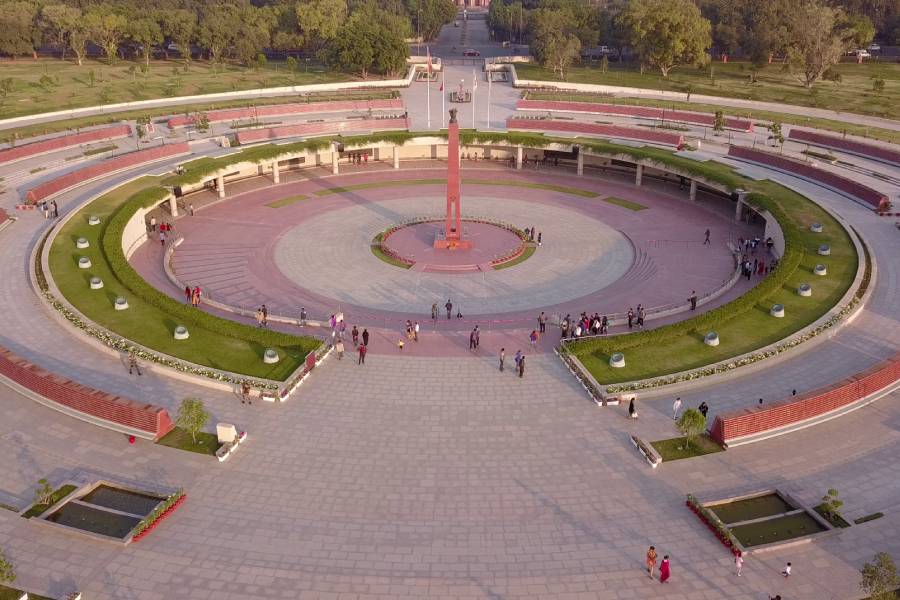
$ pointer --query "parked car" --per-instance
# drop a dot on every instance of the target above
(874, 47)
(862, 53)
(471, 52)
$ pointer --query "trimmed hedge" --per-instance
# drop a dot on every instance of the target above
(111, 244)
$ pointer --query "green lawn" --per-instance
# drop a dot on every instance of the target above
(207, 443)
(755, 328)
(635, 206)
(676, 449)
(732, 80)
(286, 201)
(142, 322)
(114, 83)
(55, 497)
(526, 254)
(887, 135)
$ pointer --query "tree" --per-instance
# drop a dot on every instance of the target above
(44, 492)
(858, 31)
(180, 26)
(7, 571)
(369, 43)
(19, 30)
(108, 29)
(719, 124)
(192, 416)
(253, 31)
(147, 33)
(78, 39)
(776, 135)
(553, 41)
(201, 121)
(6, 87)
(666, 33)
(815, 40)
(879, 578)
(58, 21)
(431, 15)
(691, 424)
(319, 22)
(215, 33)
(831, 506)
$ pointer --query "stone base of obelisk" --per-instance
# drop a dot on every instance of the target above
(452, 244)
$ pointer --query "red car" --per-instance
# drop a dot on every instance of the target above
(471, 52)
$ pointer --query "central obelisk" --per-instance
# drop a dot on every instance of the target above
(452, 238)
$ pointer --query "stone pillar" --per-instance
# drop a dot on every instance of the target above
(334, 162)
(738, 206)
(693, 192)
(580, 168)
(519, 158)
(276, 175)
(173, 206)
(220, 185)
(638, 175)
(396, 157)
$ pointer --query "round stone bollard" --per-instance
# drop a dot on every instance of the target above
(777, 311)
(820, 270)
(804, 289)
(82, 243)
(816, 228)
(270, 357)
(96, 283)
(617, 360)
(824, 250)
(181, 333)
(93, 220)
(711, 339)
(121, 303)
(84, 262)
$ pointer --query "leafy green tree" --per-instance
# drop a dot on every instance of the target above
(816, 40)
(201, 120)
(107, 28)
(666, 33)
(431, 15)
(57, 22)
(253, 29)
(192, 416)
(366, 44)
(215, 33)
(319, 22)
(7, 84)
(879, 578)
(44, 492)
(776, 135)
(79, 35)
(20, 32)
(180, 26)
(7, 571)
(291, 64)
(555, 40)
(858, 30)
(719, 123)
(691, 424)
(147, 33)
(831, 506)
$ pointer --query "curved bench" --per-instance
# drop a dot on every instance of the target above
(62, 142)
(107, 167)
(596, 129)
(797, 412)
(639, 112)
(879, 153)
(318, 129)
(94, 406)
(281, 110)
(854, 190)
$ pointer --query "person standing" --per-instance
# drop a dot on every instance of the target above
(632, 411)
(787, 570)
(302, 316)
(706, 242)
(354, 333)
(191, 209)
(55, 209)
(245, 393)
(522, 366)
(449, 307)
(133, 365)
(259, 317)
(362, 355)
(664, 571)
(542, 322)
(533, 338)
(162, 237)
(265, 315)
(472, 340)
(693, 299)
(502, 358)
(640, 317)
(540, 236)
(416, 332)
(739, 562)
(340, 349)
(517, 358)
(365, 337)
(187, 293)
(400, 344)
(676, 406)
(651, 561)
(630, 317)
(703, 408)
(152, 223)
(434, 312)
(477, 337)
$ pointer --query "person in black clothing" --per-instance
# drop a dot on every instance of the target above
(449, 307)
(365, 336)
(693, 300)
(703, 408)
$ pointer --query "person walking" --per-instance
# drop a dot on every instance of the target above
(416, 332)
(191, 209)
(362, 355)
(434, 312)
(630, 317)
(703, 408)
(640, 317)
(651, 561)
(162, 237)
(502, 358)
(265, 315)
(739, 562)
(533, 338)
(302, 316)
(693, 299)
(400, 344)
(365, 337)
(632, 411)
(522, 366)
(542, 323)
(676, 406)
(449, 307)
(664, 571)
(787, 570)
(259, 317)
(152, 224)
(706, 242)
(55, 209)
(517, 358)
(540, 236)
(245, 393)
(354, 334)
(133, 364)
(187, 294)
(472, 340)
(340, 349)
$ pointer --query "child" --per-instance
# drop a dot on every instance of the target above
(340, 349)
(739, 562)
(787, 570)
(400, 344)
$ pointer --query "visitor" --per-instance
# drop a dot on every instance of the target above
(787, 570)
(676, 406)
(302, 316)
(539, 238)
(400, 344)
(259, 317)
(531, 239)
(245, 393)
(362, 355)
(533, 338)
(265, 316)
(760, 401)
(191, 209)
(55, 209)
(162, 237)
(693, 299)
(664, 571)
(651, 554)
(416, 332)
(354, 334)
(640, 317)
(604, 324)
(458, 313)
(472, 340)
(365, 337)
(449, 307)
(739, 562)
(133, 363)
(434, 312)
(632, 411)
(408, 329)
(152, 224)
(522, 366)
(564, 327)
(703, 408)
(502, 358)
(187, 294)
(706, 242)
(630, 317)
(332, 322)
(517, 358)
(542, 322)
(198, 293)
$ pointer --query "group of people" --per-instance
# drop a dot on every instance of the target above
(636, 317)
(338, 329)
(665, 569)
(262, 316)
(49, 209)
(519, 359)
(530, 234)
(192, 295)
(584, 325)
(703, 408)
(358, 158)
(164, 229)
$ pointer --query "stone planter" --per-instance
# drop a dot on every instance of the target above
(181, 333)
(270, 357)
(84, 262)
(93, 220)
(824, 249)
(804, 289)
(777, 311)
(82, 243)
(96, 283)
(820, 270)
(816, 228)
(617, 360)
(711, 339)
(121, 303)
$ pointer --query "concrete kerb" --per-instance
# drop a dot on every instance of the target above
(696, 380)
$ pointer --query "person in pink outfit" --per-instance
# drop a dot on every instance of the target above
(664, 569)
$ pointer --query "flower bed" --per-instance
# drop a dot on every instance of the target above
(714, 524)
(156, 517)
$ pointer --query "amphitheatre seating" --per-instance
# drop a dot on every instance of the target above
(283, 110)
(101, 169)
(594, 129)
(759, 422)
(142, 420)
(316, 129)
(640, 112)
(852, 189)
(879, 153)
(62, 142)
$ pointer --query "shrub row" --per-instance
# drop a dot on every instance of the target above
(111, 244)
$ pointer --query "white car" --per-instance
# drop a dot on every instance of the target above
(874, 48)
(862, 54)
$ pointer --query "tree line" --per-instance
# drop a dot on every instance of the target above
(356, 36)
(808, 35)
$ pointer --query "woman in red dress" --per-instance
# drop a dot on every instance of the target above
(664, 569)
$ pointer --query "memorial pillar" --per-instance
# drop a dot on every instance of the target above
(580, 168)
(738, 206)
(335, 156)
(518, 158)
(638, 175)
(173, 206)
(693, 192)
(396, 157)
(220, 185)
(276, 176)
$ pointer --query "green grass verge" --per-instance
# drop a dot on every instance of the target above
(152, 316)
(287, 201)
(99, 150)
(8, 593)
(550, 187)
(676, 449)
(207, 443)
(55, 497)
(868, 518)
(379, 253)
(37, 170)
(529, 250)
(835, 520)
(820, 155)
(635, 206)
